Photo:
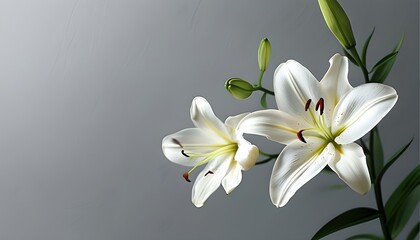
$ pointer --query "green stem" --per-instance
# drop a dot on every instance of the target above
(260, 78)
(263, 90)
(360, 63)
(381, 209)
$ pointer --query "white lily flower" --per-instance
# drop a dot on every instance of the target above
(319, 122)
(214, 143)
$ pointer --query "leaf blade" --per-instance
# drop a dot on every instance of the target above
(403, 201)
(366, 46)
(347, 219)
(263, 100)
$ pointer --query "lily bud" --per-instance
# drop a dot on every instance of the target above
(338, 22)
(239, 88)
(264, 54)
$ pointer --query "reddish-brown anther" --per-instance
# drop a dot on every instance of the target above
(186, 175)
(300, 136)
(308, 103)
(320, 105)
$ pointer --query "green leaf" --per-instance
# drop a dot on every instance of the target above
(398, 46)
(384, 66)
(385, 60)
(350, 57)
(365, 237)
(414, 232)
(366, 46)
(263, 100)
(376, 152)
(402, 202)
(347, 219)
(392, 160)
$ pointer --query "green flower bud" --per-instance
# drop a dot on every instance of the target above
(240, 89)
(338, 22)
(264, 53)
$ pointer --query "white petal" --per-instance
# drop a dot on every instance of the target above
(232, 178)
(296, 165)
(272, 124)
(206, 183)
(294, 85)
(246, 155)
(203, 117)
(232, 121)
(360, 110)
(335, 83)
(350, 165)
(190, 140)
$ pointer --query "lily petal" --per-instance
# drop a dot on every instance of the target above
(296, 165)
(246, 155)
(210, 179)
(272, 124)
(233, 121)
(232, 178)
(294, 85)
(190, 140)
(335, 83)
(351, 167)
(203, 117)
(360, 110)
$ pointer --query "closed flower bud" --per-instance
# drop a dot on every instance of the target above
(239, 88)
(264, 54)
(338, 22)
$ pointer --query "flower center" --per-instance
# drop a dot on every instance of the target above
(206, 157)
(320, 127)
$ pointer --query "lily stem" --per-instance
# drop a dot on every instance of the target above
(361, 64)
(263, 90)
(377, 184)
(260, 87)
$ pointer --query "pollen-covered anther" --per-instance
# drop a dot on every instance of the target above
(183, 153)
(209, 172)
(308, 103)
(300, 136)
(320, 105)
(185, 176)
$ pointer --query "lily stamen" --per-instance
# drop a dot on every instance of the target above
(308, 103)
(183, 153)
(300, 136)
(320, 105)
(209, 172)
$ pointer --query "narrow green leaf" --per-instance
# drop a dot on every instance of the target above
(366, 46)
(402, 202)
(350, 57)
(385, 60)
(400, 219)
(393, 159)
(263, 100)
(376, 151)
(414, 232)
(398, 46)
(365, 237)
(347, 219)
(384, 66)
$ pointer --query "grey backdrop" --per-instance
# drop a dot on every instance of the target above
(88, 88)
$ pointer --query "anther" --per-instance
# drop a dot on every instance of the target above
(308, 103)
(320, 105)
(185, 176)
(183, 153)
(174, 140)
(209, 172)
(300, 136)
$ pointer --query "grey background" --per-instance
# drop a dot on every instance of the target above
(88, 88)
